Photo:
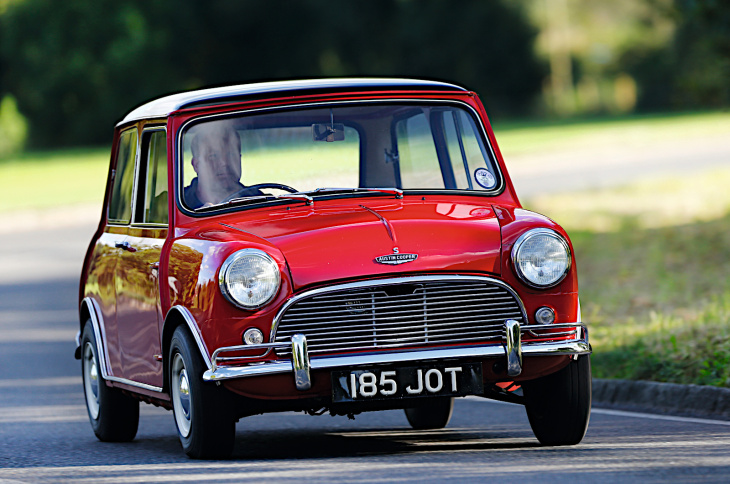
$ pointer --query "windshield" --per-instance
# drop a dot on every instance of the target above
(317, 151)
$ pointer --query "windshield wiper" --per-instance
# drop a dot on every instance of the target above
(392, 191)
(264, 198)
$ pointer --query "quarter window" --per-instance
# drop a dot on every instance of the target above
(155, 198)
(120, 205)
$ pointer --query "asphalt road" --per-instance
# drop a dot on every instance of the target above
(45, 435)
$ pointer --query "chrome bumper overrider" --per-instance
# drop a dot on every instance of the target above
(301, 364)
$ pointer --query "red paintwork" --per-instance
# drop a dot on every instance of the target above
(333, 240)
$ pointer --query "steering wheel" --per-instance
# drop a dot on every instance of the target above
(278, 186)
(258, 186)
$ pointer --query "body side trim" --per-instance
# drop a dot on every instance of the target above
(195, 331)
(99, 330)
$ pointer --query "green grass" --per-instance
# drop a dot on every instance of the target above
(653, 275)
(42, 180)
(523, 138)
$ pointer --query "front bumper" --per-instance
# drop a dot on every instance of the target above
(301, 364)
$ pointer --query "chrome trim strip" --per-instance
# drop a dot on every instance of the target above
(100, 333)
(195, 330)
(389, 282)
(268, 346)
(572, 347)
(513, 347)
(99, 329)
(300, 362)
(135, 384)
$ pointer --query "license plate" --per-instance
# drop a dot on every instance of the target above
(443, 380)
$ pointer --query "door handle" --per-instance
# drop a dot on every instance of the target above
(125, 246)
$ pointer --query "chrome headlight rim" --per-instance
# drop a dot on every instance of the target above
(524, 238)
(224, 273)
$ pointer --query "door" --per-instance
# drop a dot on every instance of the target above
(139, 317)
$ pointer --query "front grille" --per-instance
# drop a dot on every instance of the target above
(386, 316)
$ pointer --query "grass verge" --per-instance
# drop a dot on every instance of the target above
(42, 180)
(653, 276)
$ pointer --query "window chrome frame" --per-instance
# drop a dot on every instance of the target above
(151, 128)
(179, 147)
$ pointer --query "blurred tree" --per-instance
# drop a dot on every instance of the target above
(585, 42)
(75, 67)
(692, 70)
(13, 127)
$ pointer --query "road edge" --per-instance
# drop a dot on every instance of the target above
(662, 398)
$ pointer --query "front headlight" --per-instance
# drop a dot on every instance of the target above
(249, 278)
(541, 257)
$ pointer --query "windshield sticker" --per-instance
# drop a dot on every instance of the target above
(484, 178)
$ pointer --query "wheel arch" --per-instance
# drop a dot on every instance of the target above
(89, 311)
(180, 316)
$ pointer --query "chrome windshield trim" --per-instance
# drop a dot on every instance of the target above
(389, 282)
(222, 208)
(571, 347)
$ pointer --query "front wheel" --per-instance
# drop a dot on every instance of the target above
(431, 413)
(114, 416)
(559, 405)
(202, 413)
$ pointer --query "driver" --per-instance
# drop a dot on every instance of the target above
(216, 149)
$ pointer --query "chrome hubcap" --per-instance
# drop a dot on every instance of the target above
(180, 395)
(185, 394)
(91, 380)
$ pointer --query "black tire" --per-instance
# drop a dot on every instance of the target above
(114, 416)
(431, 413)
(559, 405)
(203, 415)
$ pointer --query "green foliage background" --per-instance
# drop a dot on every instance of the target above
(76, 67)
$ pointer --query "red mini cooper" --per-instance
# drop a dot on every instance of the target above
(340, 246)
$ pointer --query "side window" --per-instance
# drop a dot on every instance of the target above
(472, 166)
(453, 130)
(154, 204)
(120, 204)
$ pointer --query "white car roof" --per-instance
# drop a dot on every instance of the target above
(164, 106)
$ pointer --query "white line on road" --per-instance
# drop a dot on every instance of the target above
(622, 413)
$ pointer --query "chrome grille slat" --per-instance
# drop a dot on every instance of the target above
(426, 311)
(411, 339)
(438, 327)
(382, 314)
(398, 345)
(442, 288)
(282, 333)
(368, 298)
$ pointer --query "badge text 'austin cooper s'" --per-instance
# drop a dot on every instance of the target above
(334, 246)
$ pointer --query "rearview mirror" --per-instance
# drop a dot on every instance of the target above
(328, 132)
